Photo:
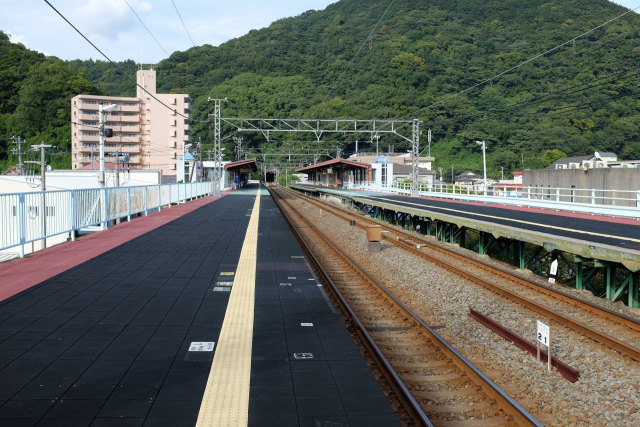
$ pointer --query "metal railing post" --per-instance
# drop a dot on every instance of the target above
(72, 214)
(146, 201)
(557, 194)
(105, 210)
(22, 223)
(129, 204)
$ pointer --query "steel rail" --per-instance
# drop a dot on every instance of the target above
(613, 343)
(511, 407)
(409, 402)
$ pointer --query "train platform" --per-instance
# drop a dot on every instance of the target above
(203, 315)
(589, 236)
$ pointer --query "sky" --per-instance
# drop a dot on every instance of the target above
(115, 29)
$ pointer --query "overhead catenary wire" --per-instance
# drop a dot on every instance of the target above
(515, 67)
(114, 63)
(185, 27)
(147, 28)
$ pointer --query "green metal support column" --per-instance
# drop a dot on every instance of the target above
(452, 233)
(634, 293)
(462, 236)
(609, 277)
(482, 243)
(519, 254)
(580, 272)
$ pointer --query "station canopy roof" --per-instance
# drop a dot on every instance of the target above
(245, 166)
(344, 164)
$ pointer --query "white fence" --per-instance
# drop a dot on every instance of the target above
(600, 202)
(29, 217)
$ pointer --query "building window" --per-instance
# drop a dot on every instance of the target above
(384, 174)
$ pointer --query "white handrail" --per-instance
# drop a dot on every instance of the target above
(66, 211)
(617, 203)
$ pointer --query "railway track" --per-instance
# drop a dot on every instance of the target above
(592, 318)
(435, 384)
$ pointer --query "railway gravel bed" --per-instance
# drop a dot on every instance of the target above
(608, 392)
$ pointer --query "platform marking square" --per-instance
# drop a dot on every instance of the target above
(202, 346)
(306, 324)
(228, 273)
(303, 356)
(291, 278)
(285, 284)
(221, 289)
(224, 283)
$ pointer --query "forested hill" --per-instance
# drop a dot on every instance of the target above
(34, 101)
(577, 99)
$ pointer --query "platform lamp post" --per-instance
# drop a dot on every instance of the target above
(103, 132)
(185, 147)
(484, 163)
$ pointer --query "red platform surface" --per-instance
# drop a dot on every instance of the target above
(22, 273)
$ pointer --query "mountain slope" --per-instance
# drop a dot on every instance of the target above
(578, 98)
(574, 100)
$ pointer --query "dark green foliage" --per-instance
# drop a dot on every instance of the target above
(576, 99)
(35, 100)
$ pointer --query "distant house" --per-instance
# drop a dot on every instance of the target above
(587, 179)
(508, 187)
(578, 162)
(467, 178)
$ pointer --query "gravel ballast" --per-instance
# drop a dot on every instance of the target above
(608, 391)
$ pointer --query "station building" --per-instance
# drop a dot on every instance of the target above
(338, 173)
(148, 133)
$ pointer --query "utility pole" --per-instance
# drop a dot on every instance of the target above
(484, 163)
(43, 188)
(502, 173)
(117, 168)
(19, 141)
(217, 147)
(415, 153)
(102, 110)
(429, 139)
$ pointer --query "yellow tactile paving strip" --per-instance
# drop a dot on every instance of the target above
(226, 398)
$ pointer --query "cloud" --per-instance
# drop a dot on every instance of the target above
(109, 18)
(15, 38)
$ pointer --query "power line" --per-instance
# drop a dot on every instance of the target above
(185, 27)
(113, 63)
(148, 30)
(533, 58)
(358, 52)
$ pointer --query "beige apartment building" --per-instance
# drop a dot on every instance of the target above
(146, 133)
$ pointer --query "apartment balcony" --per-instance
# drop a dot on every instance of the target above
(129, 108)
(88, 138)
(130, 119)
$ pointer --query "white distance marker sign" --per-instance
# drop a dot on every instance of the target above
(543, 333)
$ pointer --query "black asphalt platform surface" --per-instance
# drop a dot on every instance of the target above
(106, 343)
(302, 374)
(539, 222)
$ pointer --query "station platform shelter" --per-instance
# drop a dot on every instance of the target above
(238, 172)
(338, 173)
